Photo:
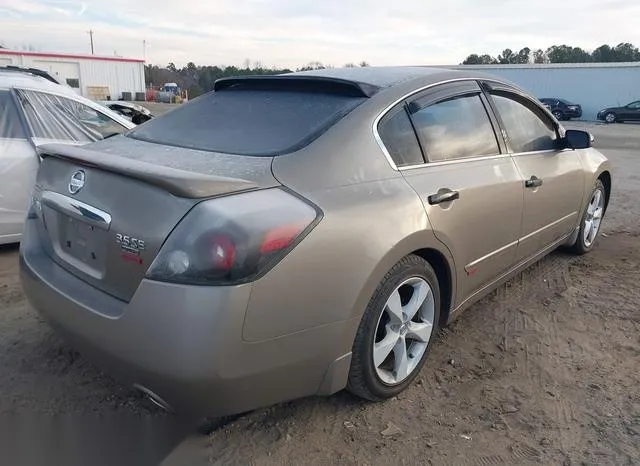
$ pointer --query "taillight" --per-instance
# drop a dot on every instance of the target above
(233, 239)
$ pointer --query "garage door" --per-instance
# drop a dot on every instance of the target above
(65, 72)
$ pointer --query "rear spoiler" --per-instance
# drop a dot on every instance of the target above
(181, 183)
(301, 83)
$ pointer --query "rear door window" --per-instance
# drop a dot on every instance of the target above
(54, 117)
(10, 124)
(455, 128)
(399, 138)
(528, 127)
(248, 122)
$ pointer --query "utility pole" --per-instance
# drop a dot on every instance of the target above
(91, 38)
(144, 49)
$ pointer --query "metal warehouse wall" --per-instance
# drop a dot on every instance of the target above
(120, 75)
(592, 85)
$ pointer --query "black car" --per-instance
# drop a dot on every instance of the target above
(630, 112)
(562, 109)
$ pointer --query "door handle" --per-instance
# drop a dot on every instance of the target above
(533, 182)
(444, 196)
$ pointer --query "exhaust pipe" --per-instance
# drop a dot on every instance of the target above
(154, 398)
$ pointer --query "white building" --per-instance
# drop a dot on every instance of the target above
(593, 85)
(92, 76)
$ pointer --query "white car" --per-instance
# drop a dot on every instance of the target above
(35, 110)
(132, 112)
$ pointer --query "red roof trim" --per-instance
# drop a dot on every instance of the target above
(69, 55)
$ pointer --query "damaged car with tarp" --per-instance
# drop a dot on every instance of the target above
(34, 110)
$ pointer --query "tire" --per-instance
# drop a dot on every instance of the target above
(582, 245)
(610, 117)
(558, 115)
(367, 380)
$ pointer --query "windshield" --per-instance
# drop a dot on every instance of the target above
(248, 122)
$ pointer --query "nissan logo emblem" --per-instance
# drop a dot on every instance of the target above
(77, 182)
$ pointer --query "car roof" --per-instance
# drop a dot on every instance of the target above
(10, 79)
(390, 76)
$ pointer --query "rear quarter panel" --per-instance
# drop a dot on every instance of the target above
(332, 274)
(372, 218)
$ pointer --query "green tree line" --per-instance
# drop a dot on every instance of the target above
(200, 79)
(623, 52)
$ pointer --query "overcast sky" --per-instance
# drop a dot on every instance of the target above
(294, 32)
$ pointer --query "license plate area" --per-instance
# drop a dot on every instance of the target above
(79, 244)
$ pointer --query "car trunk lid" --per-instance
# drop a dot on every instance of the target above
(105, 209)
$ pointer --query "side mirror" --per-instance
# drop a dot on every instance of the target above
(577, 139)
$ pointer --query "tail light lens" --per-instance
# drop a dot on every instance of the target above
(233, 239)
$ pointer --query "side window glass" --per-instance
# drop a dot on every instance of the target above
(528, 131)
(400, 139)
(54, 117)
(455, 128)
(10, 123)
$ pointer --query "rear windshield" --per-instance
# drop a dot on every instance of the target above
(248, 122)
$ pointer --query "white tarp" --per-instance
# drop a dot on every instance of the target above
(53, 117)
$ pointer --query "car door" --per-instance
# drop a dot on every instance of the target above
(552, 177)
(469, 186)
(18, 167)
(631, 112)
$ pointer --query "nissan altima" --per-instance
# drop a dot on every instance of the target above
(295, 235)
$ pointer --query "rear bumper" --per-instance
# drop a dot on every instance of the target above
(183, 343)
(572, 113)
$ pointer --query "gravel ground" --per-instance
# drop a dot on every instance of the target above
(544, 371)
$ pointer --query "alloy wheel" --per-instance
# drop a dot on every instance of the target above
(593, 219)
(610, 117)
(403, 331)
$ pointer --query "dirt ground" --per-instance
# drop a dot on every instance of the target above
(544, 371)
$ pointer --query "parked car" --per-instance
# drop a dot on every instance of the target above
(562, 109)
(630, 112)
(35, 110)
(287, 236)
(135, 113)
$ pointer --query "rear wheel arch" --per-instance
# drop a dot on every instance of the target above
(444, 272)
(422, 244)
